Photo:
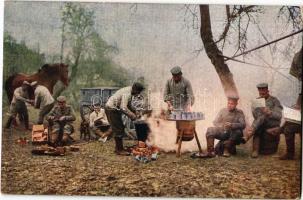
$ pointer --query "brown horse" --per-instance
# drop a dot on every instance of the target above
(47, 75)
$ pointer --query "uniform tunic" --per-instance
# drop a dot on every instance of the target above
(69, 116)
(43, 100)
(116, 105)
(179, 94)
(261, 121)
(236, 118)
(18, 102)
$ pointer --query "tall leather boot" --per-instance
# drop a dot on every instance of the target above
(290, 147)
(9, 122)
(26, 122)
(119, 150)
(228, 144)
(256, 146)
(210, 148)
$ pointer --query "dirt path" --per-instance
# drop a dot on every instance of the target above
(95, 170)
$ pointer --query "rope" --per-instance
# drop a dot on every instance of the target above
(266, 44)
(229, 58)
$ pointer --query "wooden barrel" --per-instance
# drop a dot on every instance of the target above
(188, 129)
(269, 143)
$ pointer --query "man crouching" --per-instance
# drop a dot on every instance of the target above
(60, 119)
(229, 125)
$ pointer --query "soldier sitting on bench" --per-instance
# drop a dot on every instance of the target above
(61, 118)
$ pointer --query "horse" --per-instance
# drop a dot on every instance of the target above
(47, 75)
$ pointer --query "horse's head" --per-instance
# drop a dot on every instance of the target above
(58, 70)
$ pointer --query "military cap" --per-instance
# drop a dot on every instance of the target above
(176, 70)
(26, 83)
(138, 86)
(61, 99)
(233, 97)
(262, 85)
(34, 83)
(96, 105)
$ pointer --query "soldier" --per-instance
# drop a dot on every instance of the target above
(116, 105)
(229, 125)
(289, 130)
(61, 118)
(43, 101)
(264, 118)
(178, 93)
(18, 105)
(98, 123)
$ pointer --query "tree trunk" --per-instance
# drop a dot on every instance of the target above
(214, 53)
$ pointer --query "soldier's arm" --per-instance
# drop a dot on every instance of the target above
(190, 93)
(277, 110)
(91, 120)
(51, 114)
(71, 116)
(167, 94)
(218, 120)
(124, 106)
(18, 96)
(241, 122)
(38, 101)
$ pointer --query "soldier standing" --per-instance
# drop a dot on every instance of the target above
(264, 118)
(61, 118)
(118, 104)
(18, 105)
(43, 101)
(228, 128)
(178, 93)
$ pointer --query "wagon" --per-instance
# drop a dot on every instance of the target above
(91, 96)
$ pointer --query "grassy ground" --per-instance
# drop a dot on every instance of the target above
(96, 170)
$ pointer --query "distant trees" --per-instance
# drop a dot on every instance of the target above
(17, 57)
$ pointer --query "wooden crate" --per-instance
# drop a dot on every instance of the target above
(39, 134)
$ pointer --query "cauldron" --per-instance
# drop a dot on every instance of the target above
(188, 129)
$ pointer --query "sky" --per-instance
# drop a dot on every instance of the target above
(153, 38)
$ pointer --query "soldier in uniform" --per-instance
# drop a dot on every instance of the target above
(118, 104)
(228, 128)
(18, 105)
(43, 101)
(289, 130)
(61, 118)
(178, 93)
(98, 123)
(264, 118)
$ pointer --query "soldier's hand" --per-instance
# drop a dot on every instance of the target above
(267, 111)
(51, 118)
(132, 116)
(62, 118)
(227, 125)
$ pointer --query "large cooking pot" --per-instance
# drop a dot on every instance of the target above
(187, 128)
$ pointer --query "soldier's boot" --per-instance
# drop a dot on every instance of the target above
(227, 148)
(290, 147)
(210, 149)
(26, 122)
(256, 146)
(9, 122)
(119, 149)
